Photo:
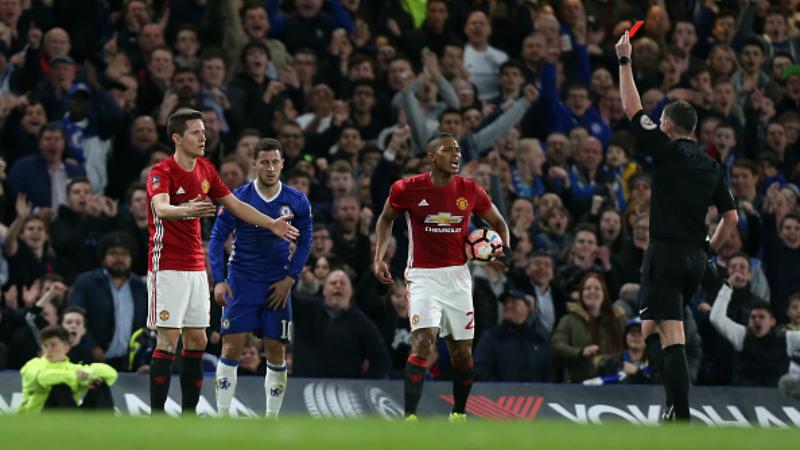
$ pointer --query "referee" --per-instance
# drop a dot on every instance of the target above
(685, 183)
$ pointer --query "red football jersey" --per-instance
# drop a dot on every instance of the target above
(177, 244)
(437, 217)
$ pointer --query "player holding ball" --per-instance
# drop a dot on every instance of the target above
(437, 206)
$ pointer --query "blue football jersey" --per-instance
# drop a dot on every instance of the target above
(258, 254)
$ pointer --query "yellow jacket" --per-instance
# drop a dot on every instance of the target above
(39, 375)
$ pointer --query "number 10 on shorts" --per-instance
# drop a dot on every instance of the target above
(286, 329)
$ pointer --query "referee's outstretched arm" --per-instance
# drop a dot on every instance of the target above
(631, 102)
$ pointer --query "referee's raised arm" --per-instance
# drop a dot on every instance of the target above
(631, 102)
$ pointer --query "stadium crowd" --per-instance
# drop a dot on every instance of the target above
(353, 89)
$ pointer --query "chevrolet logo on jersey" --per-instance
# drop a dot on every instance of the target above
(443, 219)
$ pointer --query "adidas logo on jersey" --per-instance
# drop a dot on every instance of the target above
(423, 203)
(180, 191)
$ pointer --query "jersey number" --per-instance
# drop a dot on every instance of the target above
(470, 320)
(286, 329)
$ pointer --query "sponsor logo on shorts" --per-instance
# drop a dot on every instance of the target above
(205, 186)
(163, 315)
(226, 323)
(415, 319)
(462, 203)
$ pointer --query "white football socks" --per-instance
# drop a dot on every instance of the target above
(226, 385)
(274, 388)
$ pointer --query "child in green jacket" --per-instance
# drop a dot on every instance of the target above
(52, 381)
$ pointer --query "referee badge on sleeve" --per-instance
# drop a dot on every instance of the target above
(647, 123)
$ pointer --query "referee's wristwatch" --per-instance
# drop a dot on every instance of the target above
(624, 61)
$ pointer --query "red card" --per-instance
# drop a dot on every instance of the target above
(635, 28)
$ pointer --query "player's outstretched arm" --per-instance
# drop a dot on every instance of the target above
(631, 102)
(191, 209)
(280, 226)
(498, 223)
(383, 230)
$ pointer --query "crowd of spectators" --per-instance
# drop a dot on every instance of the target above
(353, 89)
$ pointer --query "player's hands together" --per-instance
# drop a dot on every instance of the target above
(623, 47)
(279, 293)
(281, 227)
(382, 272)
(220, 289)
(200, 208)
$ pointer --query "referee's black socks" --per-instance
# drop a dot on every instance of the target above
(160, 374)
(415, 377)
(676, 371)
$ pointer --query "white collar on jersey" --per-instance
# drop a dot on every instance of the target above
(261, 194)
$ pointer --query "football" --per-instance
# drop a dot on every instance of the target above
(480, 245)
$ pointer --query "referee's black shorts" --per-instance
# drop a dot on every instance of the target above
(671, 274)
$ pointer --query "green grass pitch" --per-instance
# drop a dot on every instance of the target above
(87, 431)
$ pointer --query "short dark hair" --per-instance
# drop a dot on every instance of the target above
(753, 42)
(790, 216)
(514, 64)
(254, 43)
(762, 305)
(55, 331)
(267, 145)
(449, 111)
(74, 309)
(77, 180)
(213, 53)
(741, 255)
(176, 123)
(682, 115)
(586, 227)
(115, 239)
(184, 69)
(435, 140)
(135, 186)
(673, 50)
(294, 173)
(747, 164)
(52, 126)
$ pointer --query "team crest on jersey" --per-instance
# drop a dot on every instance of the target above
(205, 186)
(285, 210)
(462, 203)
(163, 315)
(414, 319)
(155, 182)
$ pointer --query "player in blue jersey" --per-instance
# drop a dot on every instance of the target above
(261, 272)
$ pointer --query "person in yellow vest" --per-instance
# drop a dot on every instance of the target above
(52, 381)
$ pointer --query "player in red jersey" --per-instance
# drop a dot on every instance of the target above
(437, 206)
(180, 191)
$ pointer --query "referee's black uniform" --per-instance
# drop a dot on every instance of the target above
(686, 182)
